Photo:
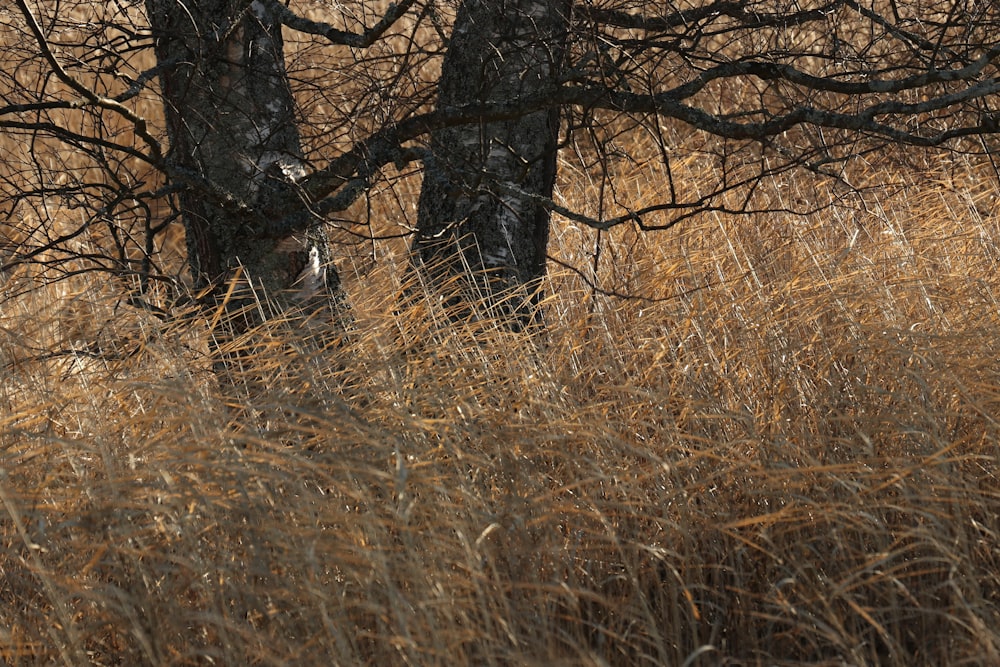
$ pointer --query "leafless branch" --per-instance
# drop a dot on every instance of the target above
(358, 40)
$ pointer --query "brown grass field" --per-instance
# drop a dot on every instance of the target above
(784, 453)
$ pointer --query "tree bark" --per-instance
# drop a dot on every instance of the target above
(472, 221)
(230, 120)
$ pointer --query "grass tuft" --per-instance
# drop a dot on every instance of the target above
(785, 453)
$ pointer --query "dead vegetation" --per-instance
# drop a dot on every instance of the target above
(785, 454)
(762, 440)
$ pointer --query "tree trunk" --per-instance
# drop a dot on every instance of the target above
(471, 221)
(231, 124)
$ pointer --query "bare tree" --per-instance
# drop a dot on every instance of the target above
(217, 146)
(257, 150)
(233, 138)
(772, 87)
(498, 52)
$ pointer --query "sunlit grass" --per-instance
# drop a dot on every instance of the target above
(784, 454)
(766, 440)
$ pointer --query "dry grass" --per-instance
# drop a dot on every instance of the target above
(789, 459)
(784, 452)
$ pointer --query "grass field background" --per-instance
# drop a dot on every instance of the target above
(783, 450)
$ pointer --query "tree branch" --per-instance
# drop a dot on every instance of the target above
(780, 72)
(89, 96)
(358, 40)
(354, 168)
(685, 18)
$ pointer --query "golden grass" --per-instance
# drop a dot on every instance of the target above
(783, 451)
(788, 459)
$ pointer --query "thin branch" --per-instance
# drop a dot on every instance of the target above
(358, 40)
(76, 139)
(592, 285)
(862, 121)
(684, 18)
(90, 97)
(779, 72)
(387, 145)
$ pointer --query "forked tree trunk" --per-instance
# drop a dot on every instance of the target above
(471, 221)
(231, 124)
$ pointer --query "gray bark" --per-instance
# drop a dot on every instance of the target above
(231, 124)
(471, 221)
